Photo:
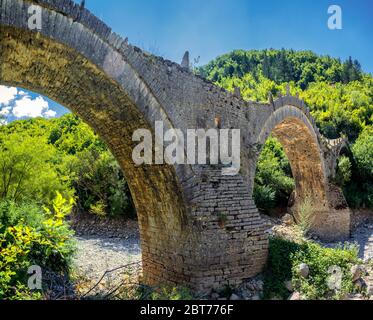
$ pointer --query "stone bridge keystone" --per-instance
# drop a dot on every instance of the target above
(76, 60)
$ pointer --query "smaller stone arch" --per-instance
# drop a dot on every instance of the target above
(313, 161)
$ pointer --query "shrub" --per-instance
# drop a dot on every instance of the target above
(344, 173)
(265, 197)
(28, 170)
(359, 191)
(305, 215)
(43, 239)
(279, 267)
(100, 186)
(320, 261)
(285, 258)
(273, 182)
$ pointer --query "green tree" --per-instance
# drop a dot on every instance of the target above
(27, 170)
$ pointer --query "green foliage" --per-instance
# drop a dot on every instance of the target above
(279, 267)
(320, 261)
(305, 215)
(265, 197)
(39, 157)
(283, 264)
(43, 239)
(273, 182)
(363, 153)
(70, 135)
(343, 171)
(100, 186)
(359, 191)
(28, 171)
(280, 66)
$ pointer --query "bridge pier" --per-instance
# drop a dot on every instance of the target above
(222, 242)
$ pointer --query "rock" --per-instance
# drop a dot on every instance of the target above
(234, 297)
(360, 285)
(295, 296)
(259, 285)
(288, 219)
(255, 297)
(304, 270)
(357, 272)
(185, 61)
(249, 286)
(246, 296)
(370, 290)
(289, 285)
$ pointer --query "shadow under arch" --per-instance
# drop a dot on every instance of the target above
(40, 64)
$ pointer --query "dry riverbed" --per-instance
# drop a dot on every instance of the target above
(108, 259)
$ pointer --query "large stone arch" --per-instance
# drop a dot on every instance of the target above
(312, 159)
(116, 88)
(83, 73)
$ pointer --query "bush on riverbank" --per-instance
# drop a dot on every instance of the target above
(32, 236)
(285, 258)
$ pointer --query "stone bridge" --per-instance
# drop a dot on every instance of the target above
(77, 61)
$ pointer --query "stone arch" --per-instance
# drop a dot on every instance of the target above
(299, 140)
(292, 124)
(91, 78)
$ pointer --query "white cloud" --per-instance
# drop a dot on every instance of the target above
(50, 113)
(30, 108)
(5, 111)
(7, 95)
(18, 103)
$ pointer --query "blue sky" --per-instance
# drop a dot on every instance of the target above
(208, 28)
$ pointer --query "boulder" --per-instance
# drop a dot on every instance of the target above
(295, 296)
(304, 270)
(360, 285)
(234, 297)
(357, 272)
(259, 285)
(287, 219)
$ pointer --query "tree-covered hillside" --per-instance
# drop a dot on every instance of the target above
(340, 96)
